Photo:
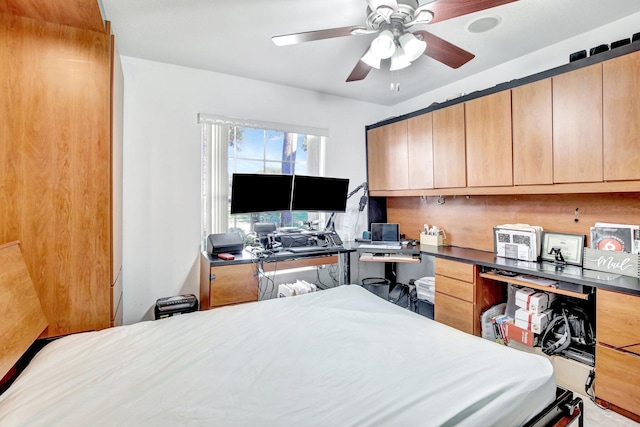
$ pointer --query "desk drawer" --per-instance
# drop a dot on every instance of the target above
(617, 319)
(455, 269)
(455, 288)
(617, 378)
(454, 312)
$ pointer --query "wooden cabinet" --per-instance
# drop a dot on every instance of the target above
(449, 153)
(462, 295)
(532, 118)
(489, 148)
(621, 113)
(60, 167)
(577, 125)
(618, 350)
(387, 157)
(420, 151)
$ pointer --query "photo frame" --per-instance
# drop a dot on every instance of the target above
(570, 245)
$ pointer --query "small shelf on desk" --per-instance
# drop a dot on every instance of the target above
(515, 281)
(389, 257)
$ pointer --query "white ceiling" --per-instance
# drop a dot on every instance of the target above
(234, 37)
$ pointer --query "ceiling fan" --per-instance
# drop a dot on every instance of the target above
(392, 20)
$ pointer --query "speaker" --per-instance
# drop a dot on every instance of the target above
(224, 243)
(619, 43)
(598, 49)
(577, 55)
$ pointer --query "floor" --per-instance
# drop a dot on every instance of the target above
(595, 416)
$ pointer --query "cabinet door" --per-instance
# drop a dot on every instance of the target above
(618, 376)
(387, 157)
(233, 284)
(489, 146)
(449, 155)
(621, 104)
(577, 125)
(532, 124)
(420, 149)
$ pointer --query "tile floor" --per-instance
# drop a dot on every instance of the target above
(595, 416)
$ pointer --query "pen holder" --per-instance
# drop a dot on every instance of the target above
(432, 239)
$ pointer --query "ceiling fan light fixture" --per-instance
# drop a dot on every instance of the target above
(412, 46)
(371, 59)
(399, 60)
(384, 45)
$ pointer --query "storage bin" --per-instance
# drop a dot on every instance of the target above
(378, 286)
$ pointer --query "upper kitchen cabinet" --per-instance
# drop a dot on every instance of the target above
(449, 157)
(532, 122)
(577, 125)
(387, 157)
(621, 110)
(489, 147)
(420, 149)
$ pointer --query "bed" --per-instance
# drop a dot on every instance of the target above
(339, 357)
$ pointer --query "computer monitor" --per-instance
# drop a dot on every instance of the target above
(260, 193)
(319, 193)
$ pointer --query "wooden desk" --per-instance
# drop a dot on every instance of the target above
(237, 281)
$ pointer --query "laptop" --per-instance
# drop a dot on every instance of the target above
(385, 235)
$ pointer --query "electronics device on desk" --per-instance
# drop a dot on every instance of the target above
(247, 193)
(224, 243)
(319, 194)
(384, 235)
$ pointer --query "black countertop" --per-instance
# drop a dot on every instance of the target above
(568, 274)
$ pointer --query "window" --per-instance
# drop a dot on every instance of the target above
(233, 146)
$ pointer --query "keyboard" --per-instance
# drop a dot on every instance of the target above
(312, 249)
(379, 246)
(389, 257)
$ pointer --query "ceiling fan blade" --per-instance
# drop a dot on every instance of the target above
(447, 9)
(445, 52)
(309, 36)
(360, 71)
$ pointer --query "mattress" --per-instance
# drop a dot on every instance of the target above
(339, 357)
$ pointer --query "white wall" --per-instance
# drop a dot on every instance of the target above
(162, 163)
(541, 60)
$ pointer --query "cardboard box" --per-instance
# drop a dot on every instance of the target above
(532, 300)
(534, 322)
(520, 335)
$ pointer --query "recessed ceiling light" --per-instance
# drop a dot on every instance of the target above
(484, 24)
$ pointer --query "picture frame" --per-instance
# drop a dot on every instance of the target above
(571, 246)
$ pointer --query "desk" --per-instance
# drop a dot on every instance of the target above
(236, 281)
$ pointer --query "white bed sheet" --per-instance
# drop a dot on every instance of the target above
(340, 357)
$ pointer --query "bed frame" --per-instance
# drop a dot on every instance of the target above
(23, 321)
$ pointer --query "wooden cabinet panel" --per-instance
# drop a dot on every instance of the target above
(387, 157)
(618, 319)
(455, 269)
(532, 124)
(577, 125)
(449, 153)
(621, 113)
(56, 179)
(233, 284)
(453, 312)
(489, 146)
(617, 378)
(455, 288)
(420, 150)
